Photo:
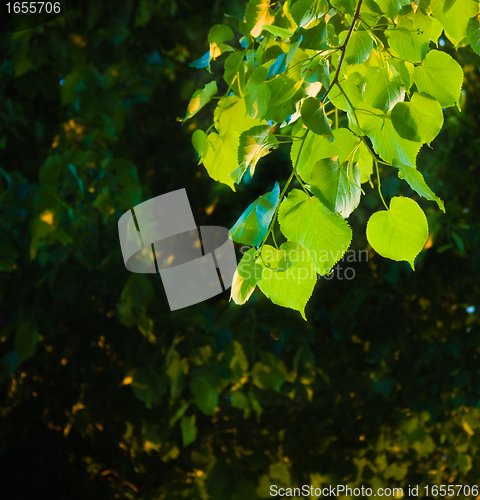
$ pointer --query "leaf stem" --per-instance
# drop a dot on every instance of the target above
(379, 183)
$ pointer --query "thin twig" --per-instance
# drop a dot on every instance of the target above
(343, 49)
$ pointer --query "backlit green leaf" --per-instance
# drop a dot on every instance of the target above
(230, 115)
(473, 33)
(234, 74)
(307, 221)
(245, 278)
(399, 233)
(258, 13)
(255, 143)
(359, 47)
(386, 141)
(419, 120)
(258, 94)
(306, 11)
(417, 183)
(440, 76)
(408, 40)
(316, 71)
(288, 275)
(200, 98)
(454, 16)
(381, 92)
(313, 115)
(220, 158)
(277, 31)
(252, 226)
(216, 36)
(330, 183)
(392, 7)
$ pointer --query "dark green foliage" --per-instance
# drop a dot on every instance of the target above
(107, 394)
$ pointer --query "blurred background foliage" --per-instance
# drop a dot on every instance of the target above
(108, 394)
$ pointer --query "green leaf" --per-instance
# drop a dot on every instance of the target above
(200, 98)
(206, 397)
(396, 471)
(219, 151)
(252, 226)
(440, 76)
(179, 413)
(239, 363)
(344, 144)
(381, 92)
(255, 404)
(400, 70)
(463, 462)
(220, 158)
(419, 120)
(306, 11)
(202, 62)
(176, 369)
(26, 339)
(220, 33)
(314, 117)
(216, 36)
(392, 7)
(352, 87)
(230, 115)
(73, 170)
(365, 163)
(281, 104)
(258, 14)
(200, 143)
(314, 38)
(189, 430)
(347, 6)
(359, 46)
(287, 92)
(454, 16)
(150, 387)
(234, 74)
(400, 232)
(316, 70)
(239, 400)
(408, 40)
(269, 373)
(288, 275)
(255, 143)
(318, 147)
(278, 66)
(245, 278)
(386, 141)
(315, 147)
(257, 94)
(417, 183)
(330, 183)
(129, 189)
(473, 33)
(324, 234)
(276, 31)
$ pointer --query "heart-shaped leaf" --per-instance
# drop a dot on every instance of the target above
(400, 232)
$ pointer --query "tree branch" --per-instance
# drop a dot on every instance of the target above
(343, 49)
